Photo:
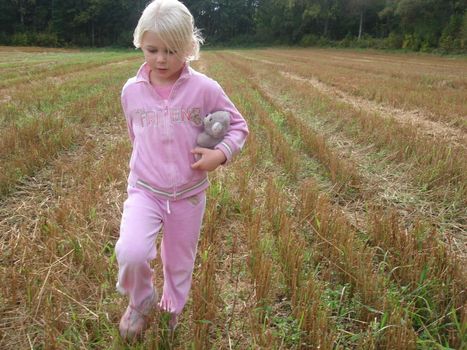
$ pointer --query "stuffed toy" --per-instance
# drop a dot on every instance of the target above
(215, 127)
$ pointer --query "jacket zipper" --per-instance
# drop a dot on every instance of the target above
(169, 134)
(169, 129)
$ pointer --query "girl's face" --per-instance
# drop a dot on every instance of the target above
(166, 66)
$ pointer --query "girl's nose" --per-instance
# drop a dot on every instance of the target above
(161, 57)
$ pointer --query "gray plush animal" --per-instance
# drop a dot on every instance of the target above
(215, 127)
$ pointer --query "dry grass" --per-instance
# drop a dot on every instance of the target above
(280, 264)
(31, 136)
(434, 168)
(52, 64)
(397, 80)
(356, 265)
(438, 161)
(67, 223)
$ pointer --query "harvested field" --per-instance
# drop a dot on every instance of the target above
(341, 225)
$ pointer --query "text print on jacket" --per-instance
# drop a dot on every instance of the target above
(163, 132)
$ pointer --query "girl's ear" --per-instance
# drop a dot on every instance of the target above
(191, 49)
(186, 54)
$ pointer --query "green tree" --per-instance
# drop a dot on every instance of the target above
(463, 32)
(363, 8)
(414, 24)
(329, 10)
(422, 21)
(389, 20)
(271, 19)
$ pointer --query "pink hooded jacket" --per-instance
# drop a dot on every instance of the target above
(163, 132)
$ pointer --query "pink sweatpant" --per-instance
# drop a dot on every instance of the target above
(143, 216)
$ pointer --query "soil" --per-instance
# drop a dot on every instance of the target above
(384, 184)
(413, 118)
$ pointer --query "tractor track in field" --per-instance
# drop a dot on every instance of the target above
(384, 185)
(7, 94)
(27, 208)
(412, 118)
(37, 199)
(34, 194)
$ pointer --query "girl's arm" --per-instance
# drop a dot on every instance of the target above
(233, 140)
(238, 131)
(128, 120)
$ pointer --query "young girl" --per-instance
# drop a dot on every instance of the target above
(164, 105)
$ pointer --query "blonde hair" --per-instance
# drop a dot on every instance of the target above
(173, 23)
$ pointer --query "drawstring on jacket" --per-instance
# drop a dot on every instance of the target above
(168, 207)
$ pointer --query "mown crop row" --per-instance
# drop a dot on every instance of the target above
(16, 73)
(435, 166)
(433, 86)
(34, 133)
(345, 252)
(279, 264)
(57, 263)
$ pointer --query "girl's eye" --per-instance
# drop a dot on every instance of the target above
(170, 52)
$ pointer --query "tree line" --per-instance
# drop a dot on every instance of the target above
(420, 25)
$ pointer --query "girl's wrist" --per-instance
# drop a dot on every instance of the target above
(221, 156)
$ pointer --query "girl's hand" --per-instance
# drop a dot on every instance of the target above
(210, 158)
